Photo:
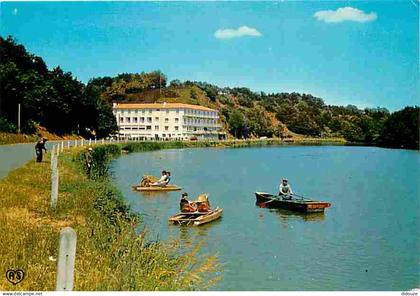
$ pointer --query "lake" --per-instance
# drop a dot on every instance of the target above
(367, 240)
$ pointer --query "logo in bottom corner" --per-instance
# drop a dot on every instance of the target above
(15, 276)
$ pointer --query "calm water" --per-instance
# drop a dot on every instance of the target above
(367, 240)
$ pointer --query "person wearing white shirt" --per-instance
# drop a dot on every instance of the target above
(285, 190)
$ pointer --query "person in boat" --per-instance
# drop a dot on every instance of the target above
(203, 204)
(185, 205)
(163, 179)
(285, 191)
(168, 177)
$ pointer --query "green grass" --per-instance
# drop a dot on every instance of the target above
(110, 254)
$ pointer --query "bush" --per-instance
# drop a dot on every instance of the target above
(6, 126)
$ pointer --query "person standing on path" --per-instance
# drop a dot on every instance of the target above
(40, 145)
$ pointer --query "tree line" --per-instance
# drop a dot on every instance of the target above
(51, 98)
(62, 104)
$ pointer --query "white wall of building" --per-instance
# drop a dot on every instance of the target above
(166, 121)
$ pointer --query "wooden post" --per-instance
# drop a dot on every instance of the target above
(54, 180)
(66, 259)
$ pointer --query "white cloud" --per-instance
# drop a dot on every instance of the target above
(237, 33)
(15, 11)
(345, 14)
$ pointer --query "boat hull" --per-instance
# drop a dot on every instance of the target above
(196, 218)
(157, 188)
(305, 206)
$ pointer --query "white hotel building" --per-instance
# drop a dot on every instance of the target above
(167, 121)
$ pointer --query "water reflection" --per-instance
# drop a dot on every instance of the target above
(189, 234)
(286, 215)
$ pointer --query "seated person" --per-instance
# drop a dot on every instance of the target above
(203, 204)
(185, 205)
(162, 181)
(285, 191)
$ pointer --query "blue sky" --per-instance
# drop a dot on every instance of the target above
(366, 54)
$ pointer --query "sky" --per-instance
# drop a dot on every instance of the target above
(364, 53)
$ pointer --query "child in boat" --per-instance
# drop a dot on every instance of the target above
(285, 190)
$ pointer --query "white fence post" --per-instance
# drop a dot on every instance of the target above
(52, 157)
(95, 141)
(62, 146)
(90, 141)
(57, 150)
(68, 144)
(66, 258)
(103, 141)
(75, 143)
(54, 180)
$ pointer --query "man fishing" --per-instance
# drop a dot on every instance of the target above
(40, 145)
(285, 190)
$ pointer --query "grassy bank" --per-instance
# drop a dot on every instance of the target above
(110, 254)
(149, 146)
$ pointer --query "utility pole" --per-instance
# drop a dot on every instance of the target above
(19, 118)
(160, 86)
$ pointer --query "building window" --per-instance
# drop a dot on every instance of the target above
(167, 111)
(128, 119)
(156, 127)
(148, 127)
(176, 120)
(157, 118)
(177, 111)
(150, 111)
(176, 128)
(121, 119)
(166, 128)
(142, 119)
(166, 119)
(149, 119)
(135, 119)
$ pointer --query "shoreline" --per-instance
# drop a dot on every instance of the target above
(105, 226)
(94, 207)
(101, 218)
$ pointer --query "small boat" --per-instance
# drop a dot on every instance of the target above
(196, 218)
(302, 205)
(157, 188)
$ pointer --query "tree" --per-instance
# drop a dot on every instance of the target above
(237, 123)
(401, 129)
(54, 99)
